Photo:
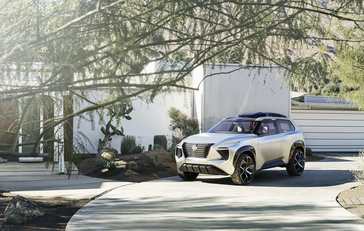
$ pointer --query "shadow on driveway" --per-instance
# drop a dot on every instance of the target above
(280, 178)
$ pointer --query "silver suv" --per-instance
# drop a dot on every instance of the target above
(239, 146)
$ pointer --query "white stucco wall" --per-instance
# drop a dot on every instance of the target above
(147, 120)
(232, 89)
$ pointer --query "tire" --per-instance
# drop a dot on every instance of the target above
(189, 176)
(296, 164)
(244, 170)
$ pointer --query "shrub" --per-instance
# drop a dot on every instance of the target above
(127, 143)
(129, 146)
(182, 127)
(160, 141)
(181, 123)
(136, 149)
(145, 162)
(111, 165)
(132, 166)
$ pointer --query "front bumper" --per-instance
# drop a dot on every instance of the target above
(201, 168)
(206, 159)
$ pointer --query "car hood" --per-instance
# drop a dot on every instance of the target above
(217, 138)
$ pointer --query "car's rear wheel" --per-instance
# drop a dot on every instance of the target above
(296, 164)
(244, 170)
(189, 176)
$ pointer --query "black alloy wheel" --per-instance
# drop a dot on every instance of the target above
(244, 170)
(296, 164)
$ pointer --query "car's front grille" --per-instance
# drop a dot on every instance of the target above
(196, 150)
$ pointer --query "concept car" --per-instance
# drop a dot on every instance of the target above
(239, 146)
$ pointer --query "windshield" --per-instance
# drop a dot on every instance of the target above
(234, 125)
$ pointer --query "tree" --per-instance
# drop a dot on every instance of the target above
(350, 67)
(51, 50)
(182, 125)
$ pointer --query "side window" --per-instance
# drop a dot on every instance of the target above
(285, 126)
(267, 127)
(245, 127)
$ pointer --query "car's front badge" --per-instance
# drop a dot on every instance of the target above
(194, 147)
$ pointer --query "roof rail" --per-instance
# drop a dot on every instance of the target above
(261, 114)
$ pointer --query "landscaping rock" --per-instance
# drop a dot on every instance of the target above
(130, 173)
(21, 210)
(159, 156)
(108, 156)
(3, 160)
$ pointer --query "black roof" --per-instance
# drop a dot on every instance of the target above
(261, 114)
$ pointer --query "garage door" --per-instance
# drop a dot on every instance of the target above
(331, 130)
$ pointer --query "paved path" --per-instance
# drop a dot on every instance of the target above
(273, 201)
(36, 179)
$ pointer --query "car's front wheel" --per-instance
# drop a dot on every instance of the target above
(244, 170)
(189, 176)
(296, 164)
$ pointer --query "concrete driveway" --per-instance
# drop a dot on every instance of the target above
(273, 201)
(37, 180)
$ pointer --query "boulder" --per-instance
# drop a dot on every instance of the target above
(21, 210)
(108, 156)
(159, 156)
(130, 173)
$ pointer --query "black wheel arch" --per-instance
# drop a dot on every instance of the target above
(297, 144)
(245, 149)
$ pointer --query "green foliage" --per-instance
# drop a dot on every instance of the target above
(129, 146)
(116, 111)
(309, 152)
(111, 165)
(107, 159)
(68, 49)
(113, 150)
(182, 126)
(350, 67)
(132, 166)
(136, 149)
(308, 74)
(145, 161)
(181, 123)
(160, 141)
(127, 143)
